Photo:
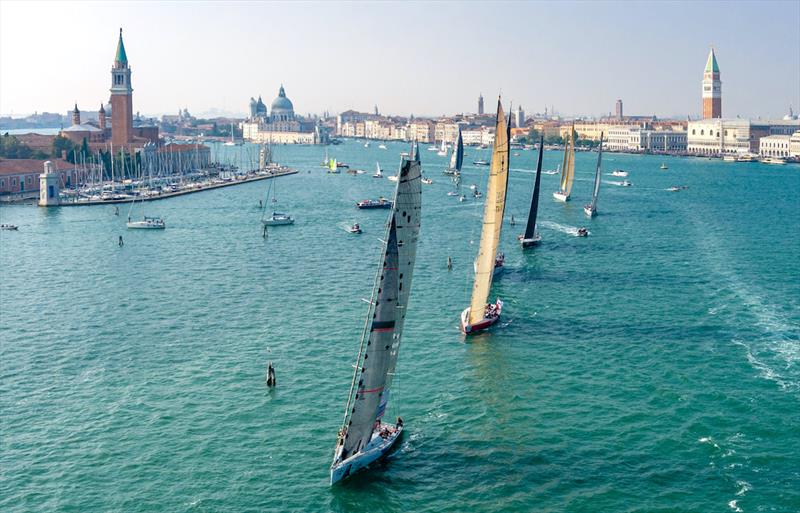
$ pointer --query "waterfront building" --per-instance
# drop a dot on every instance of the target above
(637, 139)
(724, 136)
(712, 88)
(619, 110)
(794, 145)
(21, 176)
(421, 130)
(281, 125)
(77, 132)
(775, 146)
(480, 104)
(446, 130)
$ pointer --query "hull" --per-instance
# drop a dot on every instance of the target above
(560, 196)
(375, 450)
(589, 211)
(145, 225)
(487, 322)
(526, 243)
(277, 222)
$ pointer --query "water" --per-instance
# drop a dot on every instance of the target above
(653, 366)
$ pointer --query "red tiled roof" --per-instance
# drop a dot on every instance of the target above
(26, 166)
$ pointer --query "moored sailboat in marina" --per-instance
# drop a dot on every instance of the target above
(364, 436)
(591, 208)
(567, 168)
(531, 236)
(480, 315)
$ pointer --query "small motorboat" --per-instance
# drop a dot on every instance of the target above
(381, 146)
(427, 181)
(366, 144)
(625, 183)
(378, 203)
(462, 198)
(491, 315)
(433, 148)
(449, 172)
(582, 232)
(664, 166)
(674, 189)
(550, 172)
(516, 154)
(476, 193)
(356, 228)
(278, 219)
(452, 193)
(9, 227)
(480, 162)
(473, 187)
(392, 178)
(148, 223)
(619, 172)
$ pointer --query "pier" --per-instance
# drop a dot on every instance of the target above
(187, 189)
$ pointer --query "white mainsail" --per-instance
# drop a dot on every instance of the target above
(596, 190)
(493, 212)
(380, 341)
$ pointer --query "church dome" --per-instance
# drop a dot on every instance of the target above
(282, 104)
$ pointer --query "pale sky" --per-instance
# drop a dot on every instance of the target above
(420, 58)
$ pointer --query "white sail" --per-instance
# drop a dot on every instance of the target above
(380, 342)
(596, 189)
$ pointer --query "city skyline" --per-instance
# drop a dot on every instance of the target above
(209, 59)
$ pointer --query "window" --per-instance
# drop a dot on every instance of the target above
(693, 131)
(702, 132)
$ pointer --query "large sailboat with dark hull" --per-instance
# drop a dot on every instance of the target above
(365, 436)
(480, 315)
(531, 236)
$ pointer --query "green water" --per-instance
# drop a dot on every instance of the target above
(653, 366)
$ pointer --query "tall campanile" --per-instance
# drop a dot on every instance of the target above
(121, 98)
(712, 88)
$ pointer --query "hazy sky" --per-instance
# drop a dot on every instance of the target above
(420, 58)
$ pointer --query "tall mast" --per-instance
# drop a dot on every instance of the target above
(530, 228)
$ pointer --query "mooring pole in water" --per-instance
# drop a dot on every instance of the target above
(449, 264)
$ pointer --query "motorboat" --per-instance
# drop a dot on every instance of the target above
(476, 193)
(452, 193)
(774, 160)
(378, 203)
(480, 162)
(473, 187)
(491, 315)
(366, 144)
(674, 189)
(625, 183)
(148, 223)
(9, 227)
(392, 178)
(278, 219)
(582, 232)
(381, 146)
(619, 172)
(356, 228)
(427, 181)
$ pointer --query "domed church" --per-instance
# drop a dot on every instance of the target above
(279, 125)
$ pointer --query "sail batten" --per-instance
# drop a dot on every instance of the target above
(493, 212)
(530, 227)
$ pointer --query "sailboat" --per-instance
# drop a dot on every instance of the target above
(147, 222)
(326, 161)
(591, 208)
(531, 236)
(480, 315)
(457, 157)
(333, 167)
(442, 150)
(364, 436)
(277, 218)
(232, 142)
(567, 168)
(378, 172)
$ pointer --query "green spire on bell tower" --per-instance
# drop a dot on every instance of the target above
(711, 64)
(121, 57)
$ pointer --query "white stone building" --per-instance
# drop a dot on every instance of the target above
(775, 146)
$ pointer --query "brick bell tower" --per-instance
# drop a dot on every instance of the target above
(121, 98)
(712, 88)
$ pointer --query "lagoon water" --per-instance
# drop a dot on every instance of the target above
(653, 366)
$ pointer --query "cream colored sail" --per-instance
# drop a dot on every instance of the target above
(493, 211)
(569, 164)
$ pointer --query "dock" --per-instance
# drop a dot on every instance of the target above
(188, 190)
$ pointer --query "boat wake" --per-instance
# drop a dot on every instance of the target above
(774, 350)
(569, 230)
